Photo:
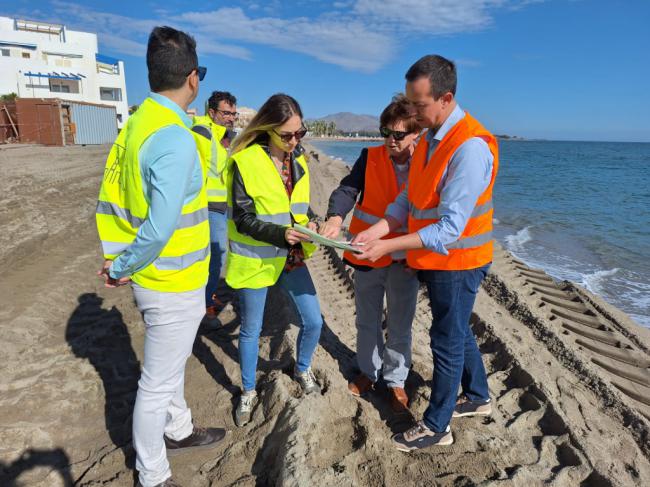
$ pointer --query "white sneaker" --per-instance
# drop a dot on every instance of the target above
(306, 380)
(245, 407)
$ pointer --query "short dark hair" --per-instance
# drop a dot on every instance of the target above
(171, 56)
(217, 96)
(440, 71)
(399, 109)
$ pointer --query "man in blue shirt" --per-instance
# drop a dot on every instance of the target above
(171, 177)
(462, 174)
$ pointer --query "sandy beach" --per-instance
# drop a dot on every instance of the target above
(568, 373)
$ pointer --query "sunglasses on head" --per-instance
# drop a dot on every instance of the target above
(200, 71)
(299, 134)
(397, 134)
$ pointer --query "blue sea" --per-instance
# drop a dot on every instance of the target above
(578, 210)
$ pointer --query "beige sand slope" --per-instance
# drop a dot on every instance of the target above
(569, 374)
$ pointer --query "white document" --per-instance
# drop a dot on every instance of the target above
(326, 241)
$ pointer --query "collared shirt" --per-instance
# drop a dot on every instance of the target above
(171, 177)
(467, 176)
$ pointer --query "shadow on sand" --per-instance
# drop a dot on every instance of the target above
(101, 336)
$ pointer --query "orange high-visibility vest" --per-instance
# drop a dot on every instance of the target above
(475, 245)
(380, 190)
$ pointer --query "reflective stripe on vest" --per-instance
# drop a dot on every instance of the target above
(257, 251)
(184, 220)
(106, 208)
(163, 263)
(182, 264)
(302, 208)
(213, 157)
(432, 213)
(217, 193)
(470, 242)
(380, 189)
(182, 261)
(474, 246)
(114, 248)
(252, 263)
(366, 217)
(278, 218)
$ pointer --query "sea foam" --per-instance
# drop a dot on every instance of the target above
(517, 241)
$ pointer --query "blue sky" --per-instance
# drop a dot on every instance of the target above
(556, 69)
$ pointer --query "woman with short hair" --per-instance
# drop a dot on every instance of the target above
(377, 177)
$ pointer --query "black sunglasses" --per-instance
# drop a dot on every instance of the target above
(397, 134)
(200, 71)
(299, 134)
(228, 114)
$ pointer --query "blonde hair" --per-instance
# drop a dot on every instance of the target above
(276, 110)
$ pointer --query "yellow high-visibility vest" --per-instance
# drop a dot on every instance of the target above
(214, 157)
(122, 208)
(252, 263)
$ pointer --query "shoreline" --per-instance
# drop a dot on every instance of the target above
(607, 283)
(342, 139)
(594, 296)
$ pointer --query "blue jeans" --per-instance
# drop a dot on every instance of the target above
(456, 357)
(301, 289)
(218, 247)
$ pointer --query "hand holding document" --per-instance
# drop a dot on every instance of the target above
(316, 238)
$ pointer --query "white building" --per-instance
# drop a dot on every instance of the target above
(44, 60)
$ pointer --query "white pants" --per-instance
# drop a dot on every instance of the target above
(171, 321)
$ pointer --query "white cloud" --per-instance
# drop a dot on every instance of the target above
(360, 35)
(347, 43)
(128, 35)
(433, 17)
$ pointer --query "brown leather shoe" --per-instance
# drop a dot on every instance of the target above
(201, 438)
(360, 385)
(399, 401)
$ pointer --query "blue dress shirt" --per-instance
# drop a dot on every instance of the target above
(467, 176)
(171, 176)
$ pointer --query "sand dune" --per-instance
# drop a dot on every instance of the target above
(569, 373)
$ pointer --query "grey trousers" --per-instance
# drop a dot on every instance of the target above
(392, 358)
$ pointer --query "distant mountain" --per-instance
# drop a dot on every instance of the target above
(352, 122)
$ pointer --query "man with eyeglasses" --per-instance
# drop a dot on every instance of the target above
(152, 220)
(447, 206)
(216, 131)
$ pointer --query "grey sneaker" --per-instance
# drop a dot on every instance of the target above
(199, 439)
(245, 407)
(465, 408)
(419, 436)
(306, 380)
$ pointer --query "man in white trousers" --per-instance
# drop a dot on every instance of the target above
(152, 219)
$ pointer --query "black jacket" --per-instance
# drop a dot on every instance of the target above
(243, 207)
(350, 189)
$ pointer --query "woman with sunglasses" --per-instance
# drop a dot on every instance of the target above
(268, 192)
(376, 179)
